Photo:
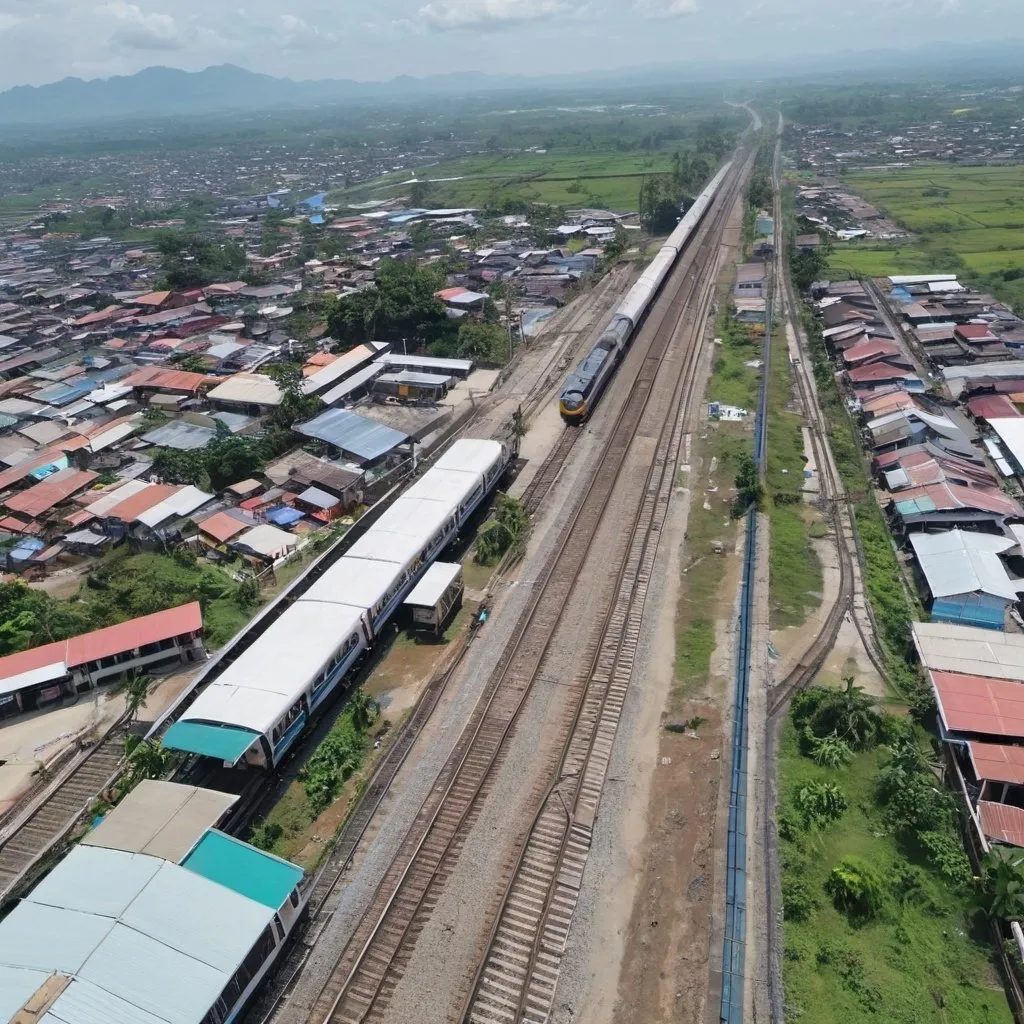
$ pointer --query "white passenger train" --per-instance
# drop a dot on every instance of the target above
(586, 383)
(257, 707)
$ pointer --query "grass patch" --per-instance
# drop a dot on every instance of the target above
(796, 573)
(919, 961)
(967, 220)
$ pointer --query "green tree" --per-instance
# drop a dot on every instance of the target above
(748, 485)
(507, 531)
(482, 342)
(144, 759)
(190, 361)
(1000, 888)
(135, 693)
(830, 751)
(820, 803)
(364, 709)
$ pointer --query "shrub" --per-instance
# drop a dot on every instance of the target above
(820, 803)
(798, 901)
(856, 889)
(946, 854)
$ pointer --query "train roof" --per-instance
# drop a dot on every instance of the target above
(354, 581)
(259, 686)
(587, 370)
(473, 455)
(403, 530)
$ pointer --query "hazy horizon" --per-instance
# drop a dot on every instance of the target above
(43, 41)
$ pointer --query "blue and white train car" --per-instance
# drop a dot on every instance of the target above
(258, 706)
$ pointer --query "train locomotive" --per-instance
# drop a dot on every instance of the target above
(585, 384)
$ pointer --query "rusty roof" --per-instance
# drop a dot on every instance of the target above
(173, 380)
(133, 506)
(222, 527)
(979, 706)
(1003, 823)
(997, 762)
(52, 491)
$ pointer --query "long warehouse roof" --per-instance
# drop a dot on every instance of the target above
(966, 649)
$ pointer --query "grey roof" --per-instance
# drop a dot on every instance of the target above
(960, 562)
(434, 583)
(178, 434)
(315, 496)
(364, 438)
(352, 383)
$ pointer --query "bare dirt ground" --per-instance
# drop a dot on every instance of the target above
(639, 948)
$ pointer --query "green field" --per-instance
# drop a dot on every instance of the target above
(968, 220)
(609, 180)
(921, 960)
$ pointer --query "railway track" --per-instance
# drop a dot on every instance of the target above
(518, 976)
(359, 988)
(52, 820)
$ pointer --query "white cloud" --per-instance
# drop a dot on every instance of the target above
(665, 8)
(443, 15)
(136, 30)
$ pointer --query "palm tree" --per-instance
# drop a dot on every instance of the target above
(146, 760)
(136, 691)
(849, 713)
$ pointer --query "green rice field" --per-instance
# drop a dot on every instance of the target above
(968, 220)
(608, 180)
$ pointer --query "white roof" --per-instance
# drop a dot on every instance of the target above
(187, 500)
(255, 388)
(338, 368)
(101, 506)
(362, 582)
(921, 278)
(938, 287)
(105, 438)
(472, 455)
(256, 689)
(433, 362)
(962, 562)
(43, 674)
(351, 383)
(451, 486)
(436, 580)
(267, 540)
(17, 986)
(943, 647)
(1011, 432)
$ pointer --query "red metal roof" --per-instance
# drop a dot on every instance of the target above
(173, 380)
(126, 636)
(1002, 822)
(105, 643)
(52, 491)
(947, 497)
(222, 527)
(979, 706)
(997, 762)
(975, 332)
(870, 349)
(888, 402)
(43, 457)
(877, 371)
(992, 407)
(103, 315)
(133, 506)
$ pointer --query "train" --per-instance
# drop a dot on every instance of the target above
(255, 710)
(585, 385)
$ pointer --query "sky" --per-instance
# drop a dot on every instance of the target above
(45, 40)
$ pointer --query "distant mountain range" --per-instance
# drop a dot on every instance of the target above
(164, 92)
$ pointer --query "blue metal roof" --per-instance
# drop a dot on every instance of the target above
(983, 610)
(224, 742)
(248, 871)
(364, 438)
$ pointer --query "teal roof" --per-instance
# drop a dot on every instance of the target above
(249, 872)
(226, 742)
(912, 506)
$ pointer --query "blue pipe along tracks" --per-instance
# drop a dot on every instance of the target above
(735, 931)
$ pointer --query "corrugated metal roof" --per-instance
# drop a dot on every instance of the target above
(319, 498)
(344, 366)
(39, 936)
(182, 436)
(224, 742)
(1003, 823)
(979, 706)
(968, 650)
(984, 610)
(252, 873)
(52, 491)
(436, 580)
(997, 762)
(17, 985)
(962, 562)
(182, 503)
(351, 383)
(222, 527)
(102, 505)
(113, 878)
(165, 819)
(267, 540)
(248, 388)
(84, 1003)
(361, 437)
(129, 510)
